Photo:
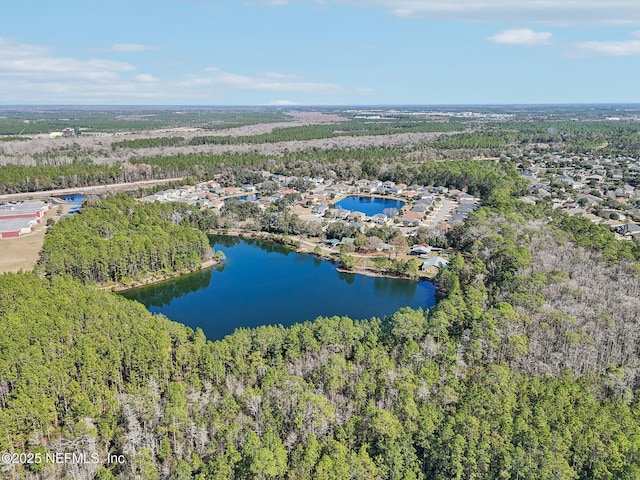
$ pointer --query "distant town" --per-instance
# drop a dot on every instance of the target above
(596, 188)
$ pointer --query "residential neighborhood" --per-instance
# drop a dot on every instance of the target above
(316, 202)
(600, 189)
(431, 207)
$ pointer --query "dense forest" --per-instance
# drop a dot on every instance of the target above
(332, 163)
(19, 178)
(121, 240)
(497, 183)
(73, 167)
(527, 367)
(352, 128)
(306, 132)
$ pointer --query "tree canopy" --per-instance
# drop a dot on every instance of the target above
(119, 240)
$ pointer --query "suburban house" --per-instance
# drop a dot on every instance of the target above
(629, 229)
(379, 218)
(420, 207)
(320, 210)
(434, 263)
(420, 249)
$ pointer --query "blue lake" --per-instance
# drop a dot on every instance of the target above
(368, 205)
(262, 283)
(73, 198)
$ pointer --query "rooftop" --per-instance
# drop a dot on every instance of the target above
(21, 208)
(14, 224)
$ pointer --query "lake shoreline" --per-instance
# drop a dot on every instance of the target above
(373, 273)
(368, 195)
(325, 253)
(153, 280)
(266, 283)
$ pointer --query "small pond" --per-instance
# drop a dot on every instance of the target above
(369, 205)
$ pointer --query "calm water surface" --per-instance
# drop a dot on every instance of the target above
(368, 205)
(262, 283)
(73, 198)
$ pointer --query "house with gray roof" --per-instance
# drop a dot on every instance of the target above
(434, 262)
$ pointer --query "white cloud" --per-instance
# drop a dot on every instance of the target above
(10, 49)
(32, 74)
(280, 76)
(35, 63)
(215, 78)
(524, 36)
(131, 47)
(610, 49)
(143, 77)
(538, 11)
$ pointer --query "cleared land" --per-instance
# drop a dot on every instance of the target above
(22, 253)
(99, 150)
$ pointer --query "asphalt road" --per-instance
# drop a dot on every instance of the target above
(114, 187)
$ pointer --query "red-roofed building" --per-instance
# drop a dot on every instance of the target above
(34, 210)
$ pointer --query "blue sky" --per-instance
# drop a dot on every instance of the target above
(319, 52)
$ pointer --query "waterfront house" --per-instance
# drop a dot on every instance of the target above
(379, 218)
(332, 242)
(320, 209)
(434, 263)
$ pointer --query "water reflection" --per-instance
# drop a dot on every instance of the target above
(263, 283)
(220, 241)
(163, 293)
(347, 277)
(224, 241)
(369, 205)
(395, 287)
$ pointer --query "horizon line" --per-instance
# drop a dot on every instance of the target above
(345, 105)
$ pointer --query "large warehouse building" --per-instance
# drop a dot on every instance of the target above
(20, 218)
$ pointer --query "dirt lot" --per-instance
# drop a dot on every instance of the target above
(22, 253)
